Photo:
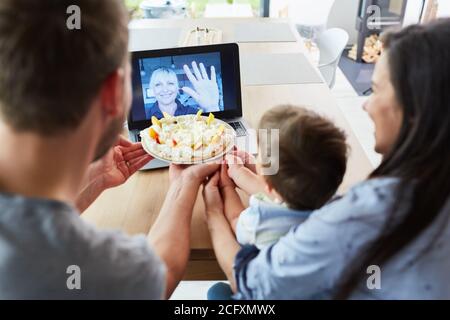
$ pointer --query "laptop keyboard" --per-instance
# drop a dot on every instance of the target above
(239, 128)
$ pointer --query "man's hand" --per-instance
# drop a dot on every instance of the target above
(120, 163)
(194, 173)
(112, 170)
(206, 91)
(175, 171)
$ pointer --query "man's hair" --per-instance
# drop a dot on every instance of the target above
(50, 74)
(312, 156)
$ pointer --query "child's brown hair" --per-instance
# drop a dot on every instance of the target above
(312, 156)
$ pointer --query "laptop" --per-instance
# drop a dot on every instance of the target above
(168, 79)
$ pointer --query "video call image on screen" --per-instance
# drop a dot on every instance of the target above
(179, 85)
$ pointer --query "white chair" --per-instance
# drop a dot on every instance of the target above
(310, 16)
(331, 44)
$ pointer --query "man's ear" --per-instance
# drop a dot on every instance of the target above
(112, 93)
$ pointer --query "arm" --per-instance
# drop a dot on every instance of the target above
(225, 246)
(88, 195)
(224, 242)
(233, 206)
(232, 202)
(170, 235)
(243, 177)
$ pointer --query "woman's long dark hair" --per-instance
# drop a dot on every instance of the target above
(419, 63)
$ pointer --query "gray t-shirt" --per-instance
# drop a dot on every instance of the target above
(47, 252)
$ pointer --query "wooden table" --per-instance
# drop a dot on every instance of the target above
(134, 206)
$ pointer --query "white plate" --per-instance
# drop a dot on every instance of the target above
(229, 147)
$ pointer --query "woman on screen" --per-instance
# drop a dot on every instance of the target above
(165, 87)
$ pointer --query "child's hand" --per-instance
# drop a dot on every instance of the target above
(234, 165)
(212, 198)
(248, 159)
(244, 178)
(225, 180)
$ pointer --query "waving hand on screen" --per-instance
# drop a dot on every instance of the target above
(205, 91)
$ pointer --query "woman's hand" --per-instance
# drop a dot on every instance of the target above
(222, 237)
(225, 180)
(206, 91)
(212, 198)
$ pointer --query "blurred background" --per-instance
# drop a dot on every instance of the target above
(321, 13)
(197, 8)
(339, 34)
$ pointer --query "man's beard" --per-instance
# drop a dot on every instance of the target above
(109, 137)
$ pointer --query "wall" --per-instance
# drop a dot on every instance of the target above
(413, 11)
(343, 15)
(444, 8)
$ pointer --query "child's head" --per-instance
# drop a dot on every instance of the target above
(312, 157)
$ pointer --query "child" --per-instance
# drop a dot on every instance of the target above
(311, 165)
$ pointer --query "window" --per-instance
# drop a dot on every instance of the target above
(195, 8)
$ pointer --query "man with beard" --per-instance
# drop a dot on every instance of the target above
(64, 95)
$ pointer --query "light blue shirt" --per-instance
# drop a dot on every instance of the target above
(265, 221)
(308, 261)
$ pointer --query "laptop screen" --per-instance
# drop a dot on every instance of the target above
(185, 80)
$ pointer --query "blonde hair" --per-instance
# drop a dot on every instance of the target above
(163, 71)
